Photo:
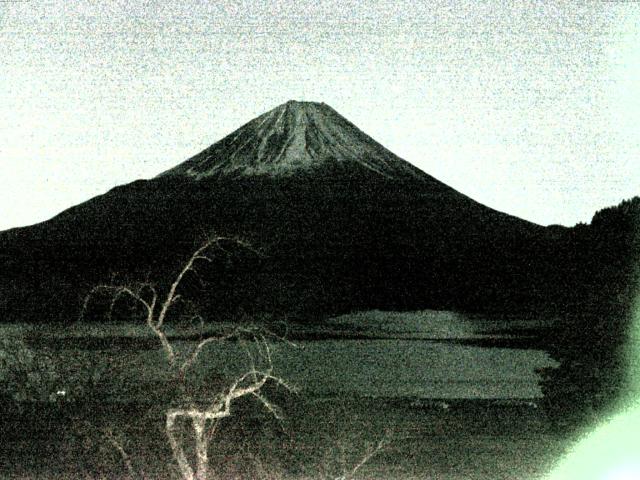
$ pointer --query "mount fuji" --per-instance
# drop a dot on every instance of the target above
(291, 138)
(341, 223)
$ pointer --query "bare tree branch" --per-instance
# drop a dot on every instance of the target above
(220, 408)
(198, 349)
(126, 459)
(368, 455)
(197, 255)
(247, 384)
(273, 409)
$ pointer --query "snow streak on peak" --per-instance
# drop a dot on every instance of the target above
(293, 137)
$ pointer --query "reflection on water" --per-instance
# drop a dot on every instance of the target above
(382, 368)
(408, 368)
(398, 356)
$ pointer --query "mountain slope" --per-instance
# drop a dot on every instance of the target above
(294, 137)
(343, 224)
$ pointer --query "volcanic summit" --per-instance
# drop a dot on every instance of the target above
(293, 137)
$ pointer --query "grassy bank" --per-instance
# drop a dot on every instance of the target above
(318, 438)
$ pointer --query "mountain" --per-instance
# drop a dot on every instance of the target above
(295, 137)
(342, 224)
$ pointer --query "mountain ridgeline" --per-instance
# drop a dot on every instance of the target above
(292, 138)
(340, 224)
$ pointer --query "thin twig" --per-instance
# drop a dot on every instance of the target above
(123, 454)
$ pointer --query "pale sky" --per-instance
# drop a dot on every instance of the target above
(532, 108)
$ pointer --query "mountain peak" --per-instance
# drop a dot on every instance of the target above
(302, 104)
(294, 136)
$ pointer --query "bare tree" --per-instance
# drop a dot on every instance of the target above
(371, 451)
(345, 466)
(202, 413)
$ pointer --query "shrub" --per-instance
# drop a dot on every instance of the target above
(24, 375)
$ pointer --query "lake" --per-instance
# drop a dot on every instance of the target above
(427, 354)
(361, 377)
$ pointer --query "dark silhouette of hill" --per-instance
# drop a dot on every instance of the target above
(593, 348)
(342, 223)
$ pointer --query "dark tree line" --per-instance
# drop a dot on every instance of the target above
(593, 345)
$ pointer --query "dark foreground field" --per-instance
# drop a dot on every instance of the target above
(317, 439)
